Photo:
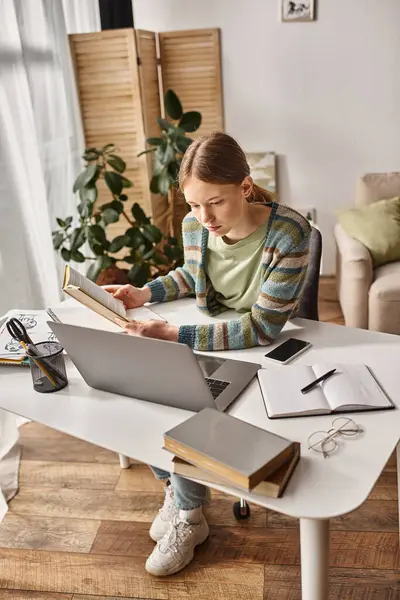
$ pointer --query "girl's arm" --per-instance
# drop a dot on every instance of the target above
(177, 284)
(278, 297)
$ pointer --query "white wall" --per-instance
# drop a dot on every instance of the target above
(325, 95)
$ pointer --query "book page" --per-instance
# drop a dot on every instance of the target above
(281, 388)
(96, 292)
(82, 316)
(351, 387)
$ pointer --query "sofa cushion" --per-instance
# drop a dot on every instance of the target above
(377, 186)
(384, 299)
(377, 227)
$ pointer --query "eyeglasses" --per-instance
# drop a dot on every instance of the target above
(325, 442)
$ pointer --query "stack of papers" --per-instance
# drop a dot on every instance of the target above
(35, 323)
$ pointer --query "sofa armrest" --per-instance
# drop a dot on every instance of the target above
(354, 277)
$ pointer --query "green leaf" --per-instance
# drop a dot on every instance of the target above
(139, 274)
(126, 183)
(169, 154)
(123, 197)
(61, 223)
(78, 238)
(146, 151)
(154, 185)
(88, 193)
(131, 259)
(77, 256)
(173, 169)
(148, 255)
(96, 247)
(164, 124)
(155, 141)
(116, 163)
(85, 209)
(190, 121)
(78, 182)
(165, 182)
(158, 161)
(159, 259)
(58, 239)
(117, 206)
(108, 148)
(68, 221)
(88, 175)
(114, 182)
(152, 233)
(119, 242)
(182, 144)
(97, 233)
(66, 254)
(91, 155)
(136, 237)
(173, 105)
(94, 270)
(110, 216)
(139, 214)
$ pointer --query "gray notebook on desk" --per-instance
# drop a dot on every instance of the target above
(235, 450)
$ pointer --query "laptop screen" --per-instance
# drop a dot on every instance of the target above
(209, 364)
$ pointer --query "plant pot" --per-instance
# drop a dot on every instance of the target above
(113, 275)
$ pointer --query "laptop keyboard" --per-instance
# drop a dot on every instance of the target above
(216, 386)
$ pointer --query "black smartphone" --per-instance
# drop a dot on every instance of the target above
(288, 350)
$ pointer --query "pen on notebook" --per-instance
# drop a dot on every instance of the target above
(314, 384)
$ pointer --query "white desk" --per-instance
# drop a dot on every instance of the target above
(319, 490)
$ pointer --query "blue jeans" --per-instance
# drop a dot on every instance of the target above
(187, 494)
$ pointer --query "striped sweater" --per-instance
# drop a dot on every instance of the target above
(284, 261)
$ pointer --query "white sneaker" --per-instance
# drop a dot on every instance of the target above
(166, 513)
(175, 550)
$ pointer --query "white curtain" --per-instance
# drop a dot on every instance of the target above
(80, 19)
(41, 142)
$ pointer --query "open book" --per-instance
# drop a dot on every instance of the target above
(352, 388)
(100, 301)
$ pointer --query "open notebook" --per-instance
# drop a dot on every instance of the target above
(352, 388)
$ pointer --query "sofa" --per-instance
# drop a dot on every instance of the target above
(369, 298)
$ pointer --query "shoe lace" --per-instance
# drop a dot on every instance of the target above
(177, 533)
(168, 508)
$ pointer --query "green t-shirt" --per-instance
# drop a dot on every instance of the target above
(235, 269)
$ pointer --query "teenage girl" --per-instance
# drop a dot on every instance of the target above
(243, 252)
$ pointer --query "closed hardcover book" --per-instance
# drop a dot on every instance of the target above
(273, 486)
(232, 449)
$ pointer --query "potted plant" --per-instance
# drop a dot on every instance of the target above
(138, 255)
(168, 150)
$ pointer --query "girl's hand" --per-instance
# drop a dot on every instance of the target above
(132, 297)
(151, 329)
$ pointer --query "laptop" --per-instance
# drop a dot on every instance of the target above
(154, 370)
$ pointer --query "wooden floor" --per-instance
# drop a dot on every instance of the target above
(78, 528)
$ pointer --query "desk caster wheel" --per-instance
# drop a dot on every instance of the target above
(241, 510)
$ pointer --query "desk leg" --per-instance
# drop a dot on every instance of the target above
(314, 545)
(124, 461)
(398, 479)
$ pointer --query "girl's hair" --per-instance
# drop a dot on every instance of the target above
(217, 158)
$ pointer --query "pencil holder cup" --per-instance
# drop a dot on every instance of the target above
(48, 367)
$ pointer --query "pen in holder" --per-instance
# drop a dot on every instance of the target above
(46, 359)
(47, 367)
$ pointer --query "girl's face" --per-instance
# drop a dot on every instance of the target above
(217, 207)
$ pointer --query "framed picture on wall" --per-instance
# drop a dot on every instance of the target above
(263, 169)
(298, 10)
